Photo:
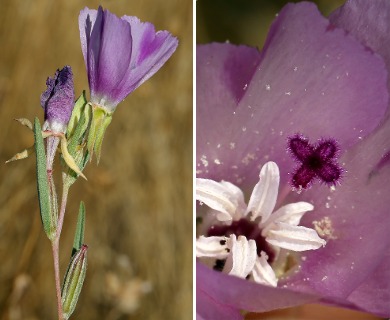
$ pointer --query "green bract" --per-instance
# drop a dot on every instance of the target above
(74, 281)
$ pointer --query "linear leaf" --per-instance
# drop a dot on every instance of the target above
(79, 235)
(42, 183)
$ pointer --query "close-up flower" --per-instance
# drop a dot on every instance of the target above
(311, 107)
(119, 54)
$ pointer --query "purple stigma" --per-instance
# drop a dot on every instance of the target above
(318, 161)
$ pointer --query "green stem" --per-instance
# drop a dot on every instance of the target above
(56, 249)
(65, 191)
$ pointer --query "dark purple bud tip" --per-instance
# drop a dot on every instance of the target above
(318, 161)
(58, 100)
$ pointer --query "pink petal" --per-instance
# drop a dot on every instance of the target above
(359, 213)
(233, 292)
(320, 83)
(345, 100)
(368, 21)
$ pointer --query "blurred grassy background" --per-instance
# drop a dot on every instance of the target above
(247, 22)
(139, 198)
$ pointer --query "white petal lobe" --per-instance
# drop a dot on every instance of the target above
(295, 238)
(290, 214)
(218, 197)
(262, 271)
(242, 258)
(213, 247)
(265, 193)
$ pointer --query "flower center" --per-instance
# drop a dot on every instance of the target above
(253, 240)
(246, 228)
(314, 162)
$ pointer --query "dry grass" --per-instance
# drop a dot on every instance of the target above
(139, 198)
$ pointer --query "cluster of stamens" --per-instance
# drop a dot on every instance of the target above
(248, 240)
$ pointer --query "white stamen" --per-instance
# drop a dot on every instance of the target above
(263, 273)
(265, 193)
(223, 197)
(214, 247)
(242, 258)
(280, 229)
(295, 238)
(290, 214)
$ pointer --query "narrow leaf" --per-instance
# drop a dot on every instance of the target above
(43, 186)
(79, 235)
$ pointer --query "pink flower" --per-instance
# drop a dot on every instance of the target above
(120, 54)
(314, 78)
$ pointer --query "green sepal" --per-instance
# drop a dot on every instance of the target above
(80, 227)
(100, 121)
(77, 111)
(48, 220)
(73, 281)
(76, 140)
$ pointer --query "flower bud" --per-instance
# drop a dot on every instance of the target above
(74, 281)
(58, 100)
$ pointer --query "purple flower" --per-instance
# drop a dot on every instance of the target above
(316, 78)
(58, 100)
(120, 54)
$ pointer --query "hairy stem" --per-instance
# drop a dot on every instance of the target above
(65, 191)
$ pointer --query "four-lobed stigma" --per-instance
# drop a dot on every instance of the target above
(315, 161)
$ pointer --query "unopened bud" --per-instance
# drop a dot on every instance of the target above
(74, 281)
(58, 100)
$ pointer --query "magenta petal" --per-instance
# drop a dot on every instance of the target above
(107, 47)
(151, 50)
(120, 54)
(110, 53)
(373, 295)
(229, 291)
(209, 309)
(314, 78)
(359, 208)
(87, 19)
(368, 21)
(223, 72)
(358, 211)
